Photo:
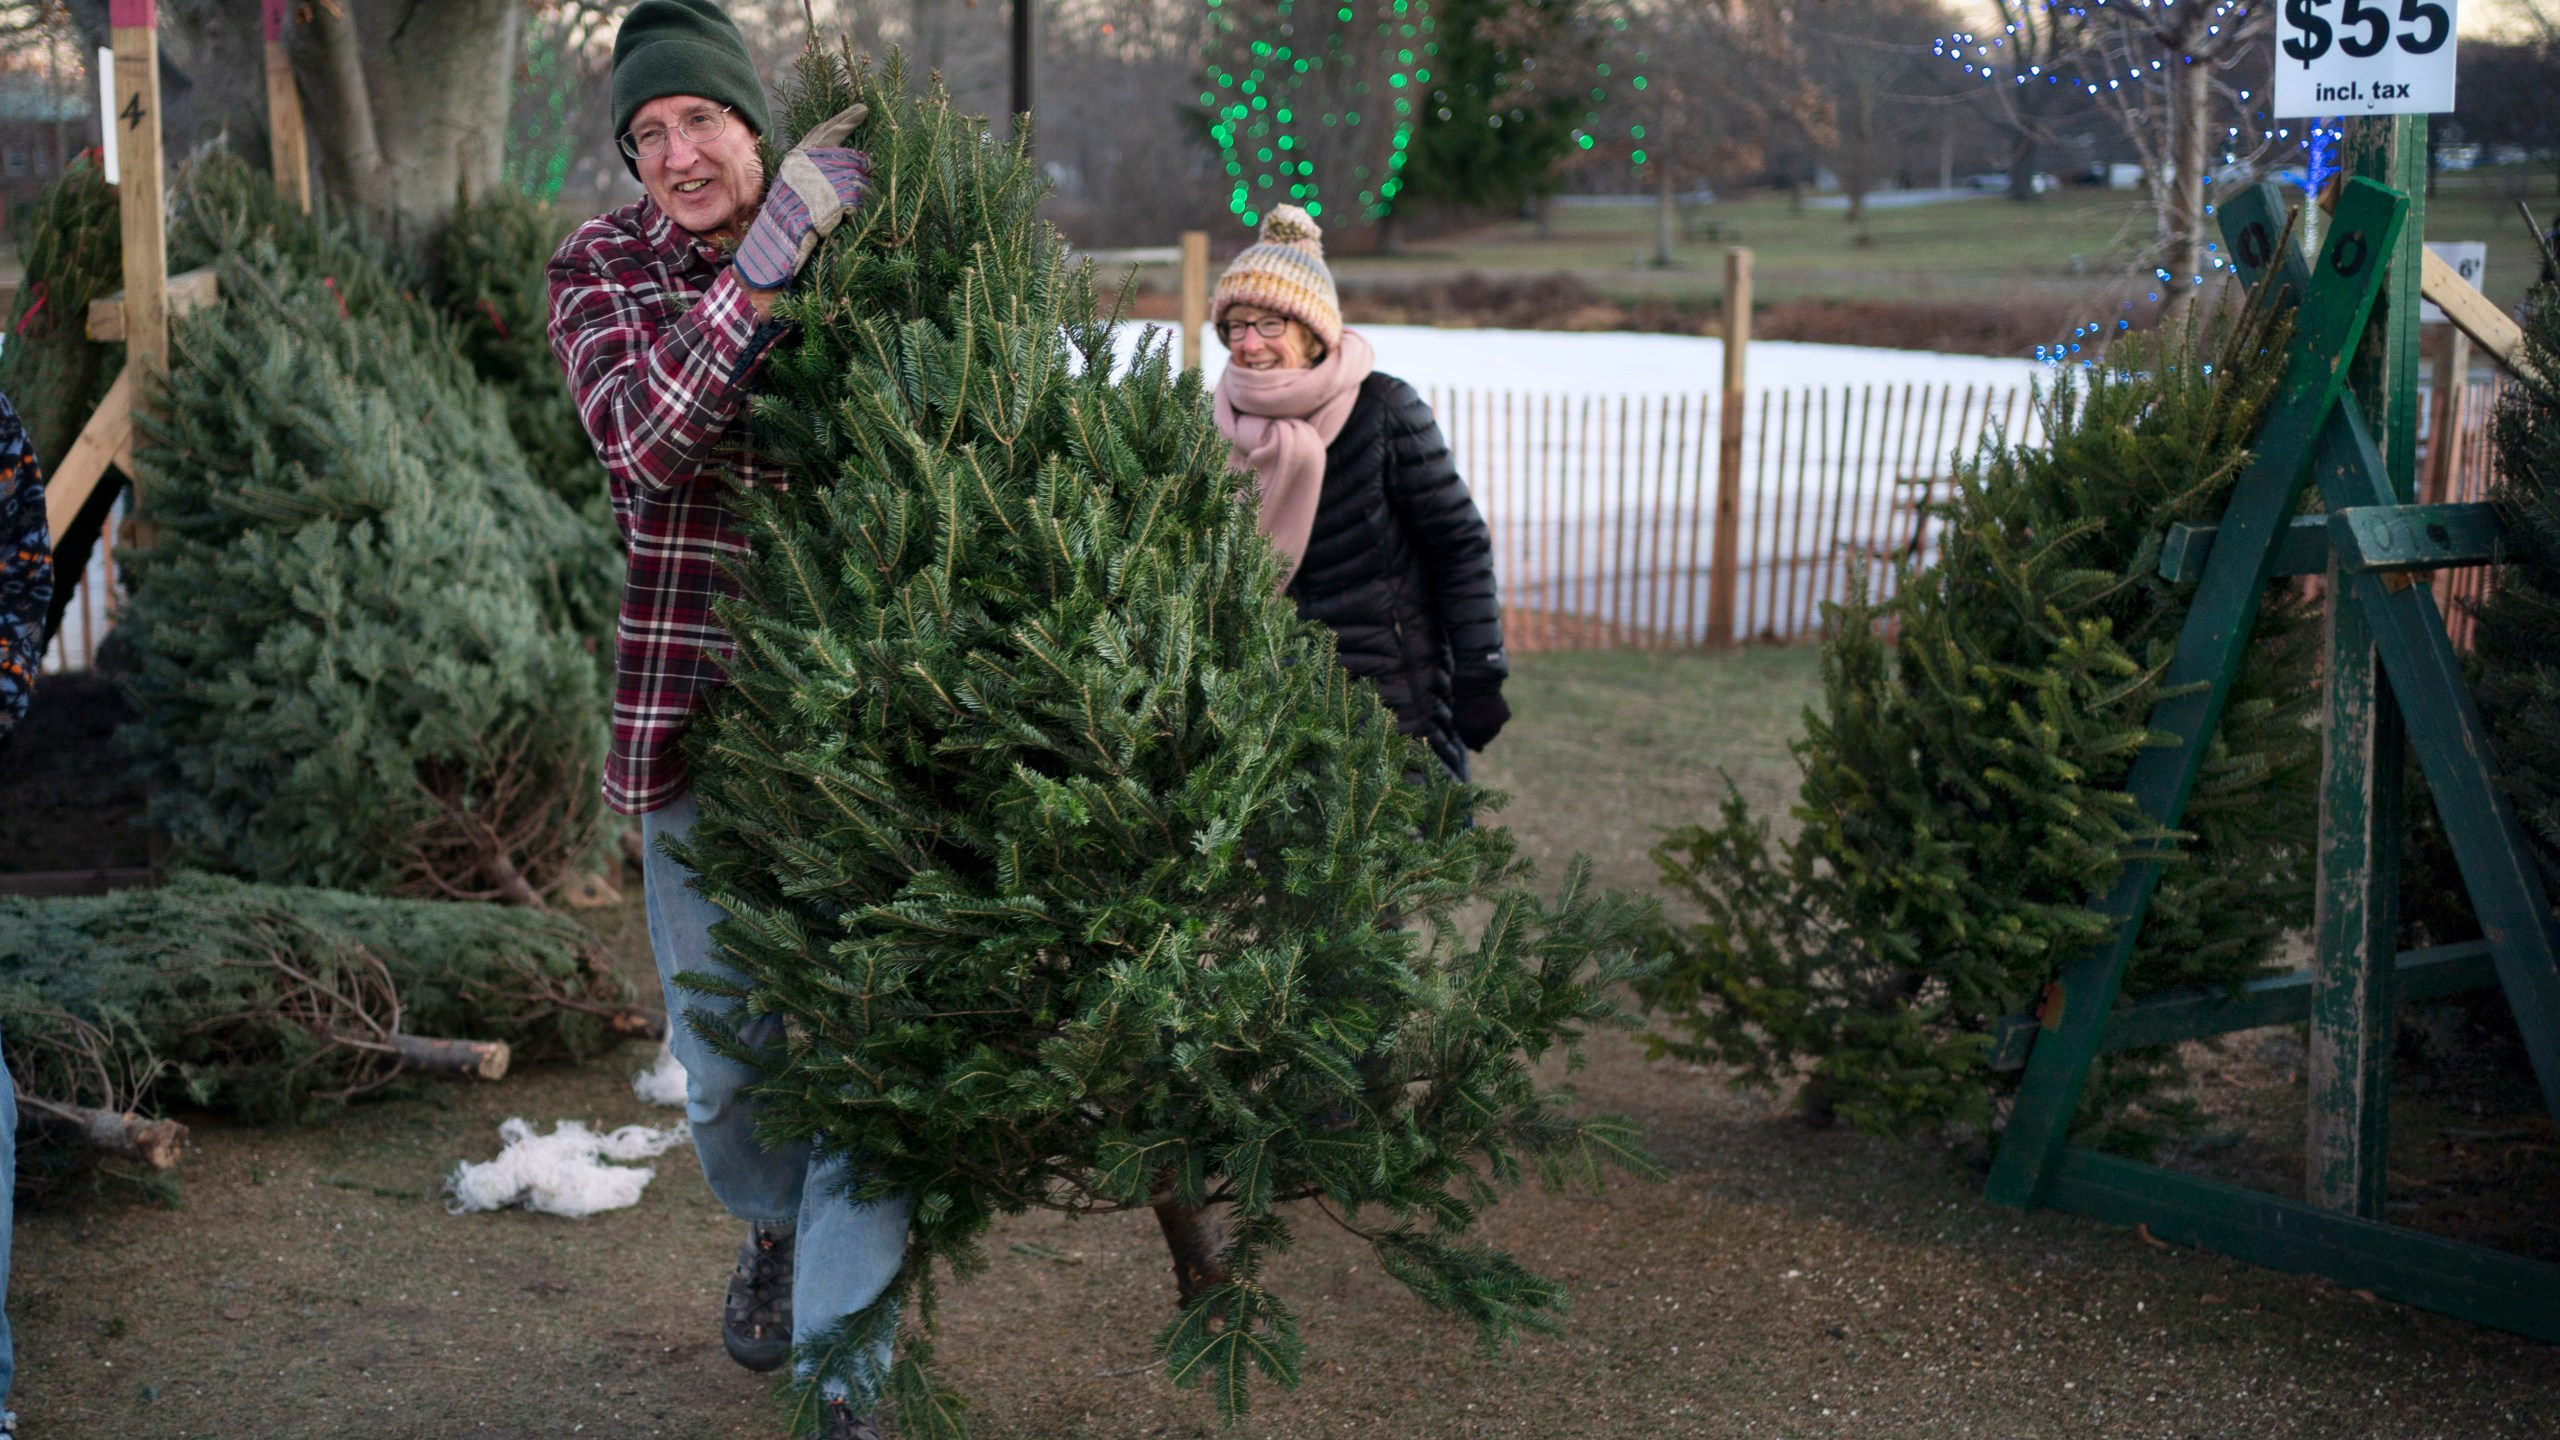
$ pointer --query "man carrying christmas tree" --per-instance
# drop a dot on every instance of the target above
(660, 312)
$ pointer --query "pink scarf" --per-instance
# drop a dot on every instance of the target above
(1280, 422)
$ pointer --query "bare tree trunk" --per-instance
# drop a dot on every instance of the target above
(407, 104)
(353, 163)
(2193, 97)
(2022, 169)
(1195, 1237)
(1666, 216)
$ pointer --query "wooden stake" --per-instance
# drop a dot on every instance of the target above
(183, 294)
(1737, 344)
(289, 151)
(2356, 918)
(1195, 295)
(106, 440)
(135, 29)
(2444, 450)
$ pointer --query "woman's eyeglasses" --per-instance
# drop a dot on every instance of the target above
(1269, 327)
(699, 128)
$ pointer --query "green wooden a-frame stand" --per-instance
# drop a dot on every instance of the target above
(2394, 680)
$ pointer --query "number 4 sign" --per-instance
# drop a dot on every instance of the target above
(2364, 57)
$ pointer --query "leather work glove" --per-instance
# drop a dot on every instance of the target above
(815, 187)
(1478, 712)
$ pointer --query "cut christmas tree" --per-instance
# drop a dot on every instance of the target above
(72, 247)
(1963, 793)
(272, 1002)
(2515, 645)
(363, 633)
(1084, 876)
(492, 267)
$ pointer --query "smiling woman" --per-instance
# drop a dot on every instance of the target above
(1380, 539)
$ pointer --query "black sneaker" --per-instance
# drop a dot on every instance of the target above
(843, 1424)
(755, 1320)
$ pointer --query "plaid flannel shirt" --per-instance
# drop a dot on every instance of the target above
(659, 341)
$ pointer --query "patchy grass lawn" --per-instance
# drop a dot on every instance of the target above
(1983, 247)
(1782, 1283)
(1979, 246)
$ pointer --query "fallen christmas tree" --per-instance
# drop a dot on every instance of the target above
(272, 1002)
(363, 634)
(1963, 798)
(1084, 876)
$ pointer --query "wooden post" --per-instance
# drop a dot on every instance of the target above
(1026, 41)
(288, 149)
(134, 26)
(1721, 575)
(2356, 922)
(2444, 451)
(1195, 295)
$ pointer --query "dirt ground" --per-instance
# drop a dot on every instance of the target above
(1781, 1283)
(59, 765)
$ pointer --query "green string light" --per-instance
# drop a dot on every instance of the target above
(1263, 136)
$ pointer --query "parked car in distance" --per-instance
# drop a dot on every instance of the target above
(1999, 180)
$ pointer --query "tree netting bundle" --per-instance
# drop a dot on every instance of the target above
(1083, 874)
(269, 1001)
(363, 634)
(72, 245)
(1962, 802)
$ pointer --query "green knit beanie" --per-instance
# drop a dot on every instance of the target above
(682, 47)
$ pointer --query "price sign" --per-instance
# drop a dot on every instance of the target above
(2364, 57)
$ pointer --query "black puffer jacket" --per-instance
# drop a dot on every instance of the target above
(1400, 566)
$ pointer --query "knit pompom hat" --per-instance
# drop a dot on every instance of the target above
(1284, 273)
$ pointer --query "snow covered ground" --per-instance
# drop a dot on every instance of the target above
(1577, 490)
(1613, 363)
(1593, 457)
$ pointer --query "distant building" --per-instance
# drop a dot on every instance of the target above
(44, 122)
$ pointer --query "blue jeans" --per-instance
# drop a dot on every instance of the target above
(845, 1254)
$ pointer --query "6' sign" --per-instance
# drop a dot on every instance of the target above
(2364, 57)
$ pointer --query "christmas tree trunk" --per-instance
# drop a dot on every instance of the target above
(1083, 874)
(270, 1002)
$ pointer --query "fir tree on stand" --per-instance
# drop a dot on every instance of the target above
(1082, 876)
(1963, 797)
